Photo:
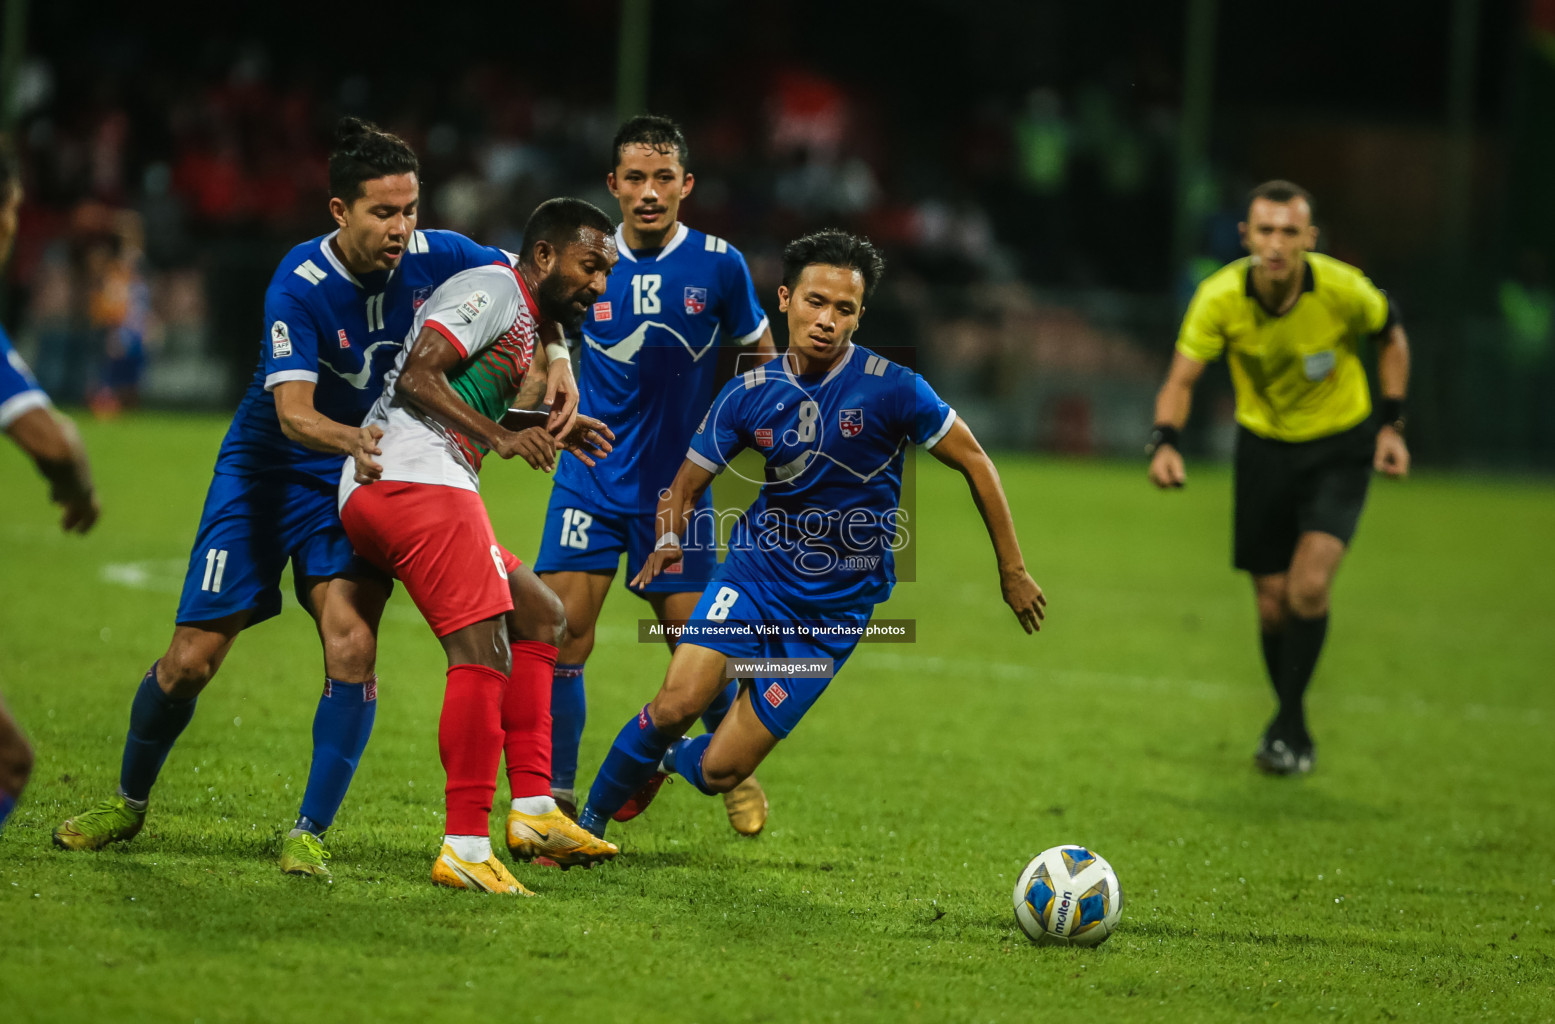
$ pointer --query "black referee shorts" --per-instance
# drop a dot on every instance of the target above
(1284, 489)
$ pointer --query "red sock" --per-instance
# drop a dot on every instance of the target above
(469, 737)
(526, 718)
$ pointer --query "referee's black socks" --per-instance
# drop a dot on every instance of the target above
(1295, 652)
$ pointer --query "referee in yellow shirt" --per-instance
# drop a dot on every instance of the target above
(1289, 320)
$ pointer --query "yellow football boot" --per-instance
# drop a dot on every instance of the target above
(112, 821)
(746, 805)
(555, 837)
(489, 876)
(304, 854)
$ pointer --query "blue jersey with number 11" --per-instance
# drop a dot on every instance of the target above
(648, 361)
(341, 332)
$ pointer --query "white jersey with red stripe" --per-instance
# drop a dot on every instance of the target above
(488, 316)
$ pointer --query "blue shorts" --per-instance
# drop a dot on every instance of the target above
(580, 537)
(720, 623)
(250, 528)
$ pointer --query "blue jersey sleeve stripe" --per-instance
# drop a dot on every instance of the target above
(282, 376)
(753, 335)
(944, 428)
(697, 458)
(18, 405)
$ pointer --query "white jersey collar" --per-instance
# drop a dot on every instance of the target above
(681, 231)
(788, 366)
(340, 268)
(334, 261)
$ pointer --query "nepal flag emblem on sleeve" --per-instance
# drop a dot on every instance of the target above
(696, 300)
(851, 422)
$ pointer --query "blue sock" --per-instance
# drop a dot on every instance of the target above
(341, 727)
(569, 708)
(632, 760)
(684, 758)
(7, 805)
(156, 720)
(720, 706)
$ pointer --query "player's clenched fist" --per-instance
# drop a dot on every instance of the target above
(1166, 468)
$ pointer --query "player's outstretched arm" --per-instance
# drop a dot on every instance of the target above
(959, 450)
(424, 382)
(670, 522)
(54, 445)
(1172, 404)
(1392, 458)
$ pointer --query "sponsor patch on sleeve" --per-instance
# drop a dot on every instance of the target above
(471, 307)
(280, 340)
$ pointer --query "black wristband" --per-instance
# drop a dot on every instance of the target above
(1163, 434)
(1391, 412)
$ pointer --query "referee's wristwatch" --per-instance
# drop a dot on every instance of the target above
(1391, 412)
(1164, 435)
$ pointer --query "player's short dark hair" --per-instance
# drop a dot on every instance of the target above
(561, 222)
(10, 170)
(661, 133)
(1281, 191)
(362, 152)
(833, 248)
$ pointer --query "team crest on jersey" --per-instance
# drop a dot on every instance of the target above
(677, 567)
(851, 421)
(602, 310)
(775, 695)
(280, 340)
(764, 437)
(471, 307)
(419, 297)
(696, 300)
(345, 342)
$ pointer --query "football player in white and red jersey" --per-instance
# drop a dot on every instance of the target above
(417, 514)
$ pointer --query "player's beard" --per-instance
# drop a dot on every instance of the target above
(556, 302)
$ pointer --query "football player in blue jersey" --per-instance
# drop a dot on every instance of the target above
(54, 446)
(336, 315)
(812, 556)
(647, 369)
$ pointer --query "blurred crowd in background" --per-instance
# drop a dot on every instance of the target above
(1027, 213)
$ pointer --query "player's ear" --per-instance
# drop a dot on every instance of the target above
(338, 210)
(545, 255)
(1241, 230)
(687, 184)
(782, 298)
(610, 183)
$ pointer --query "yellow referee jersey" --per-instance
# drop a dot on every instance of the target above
(1298, 376)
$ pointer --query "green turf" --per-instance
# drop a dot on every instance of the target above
(1406, 879)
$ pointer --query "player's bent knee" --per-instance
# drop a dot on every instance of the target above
(1309, 598)
(352, 656)
(673, 713)
(186, 669)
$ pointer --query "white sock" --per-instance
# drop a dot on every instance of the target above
(569, 795)
(136, 805)
(534, 805)
(475, 849)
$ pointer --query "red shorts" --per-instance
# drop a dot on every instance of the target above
(438, 541)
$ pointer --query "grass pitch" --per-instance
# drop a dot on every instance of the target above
(1408, 878)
